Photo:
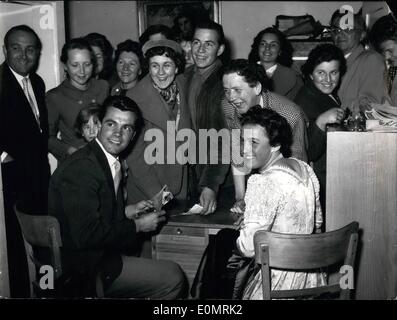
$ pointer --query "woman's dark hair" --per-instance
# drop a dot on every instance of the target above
(384, 29)
(323, 53)
(178, 58)
(153, 29)
(277, 128)
(100, 41)
(286, 50)
(130, 46)
(84, 116)
(77, 43)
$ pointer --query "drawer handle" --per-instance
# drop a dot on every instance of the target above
(179, 231)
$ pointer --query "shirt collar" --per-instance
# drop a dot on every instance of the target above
(207, 72)
(271, 70)
(348, 55)
(110, 158)
(18, 76)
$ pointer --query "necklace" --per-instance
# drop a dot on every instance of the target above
(271, 162)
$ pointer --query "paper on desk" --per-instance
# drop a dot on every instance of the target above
(196, 209)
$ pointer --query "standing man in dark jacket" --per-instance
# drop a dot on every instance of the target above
(23, 144)
(205, 91)
(86, 196)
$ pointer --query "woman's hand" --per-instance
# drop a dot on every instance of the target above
(133, 210)
(334, 115)
(238, 207)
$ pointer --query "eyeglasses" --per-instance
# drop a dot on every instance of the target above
(337, 30)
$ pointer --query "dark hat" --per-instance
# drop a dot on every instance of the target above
(162, 43)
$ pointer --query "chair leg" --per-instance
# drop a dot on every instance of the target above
(99, 286)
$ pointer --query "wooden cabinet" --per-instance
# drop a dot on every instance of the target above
(362, 186)
(183, 245)
(184, 238)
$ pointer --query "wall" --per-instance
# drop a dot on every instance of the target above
(117, 20)
(47, 20)
(241, 20)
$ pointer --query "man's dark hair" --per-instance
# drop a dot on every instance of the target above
(24, 28)
(124, 104)
(251, 72)
(323, 53)
(286, 50)
(211, 25)
(384, 29)
(77, 43)
(156, 28)
(277, 128)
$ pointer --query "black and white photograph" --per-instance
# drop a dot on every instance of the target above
(207, 153)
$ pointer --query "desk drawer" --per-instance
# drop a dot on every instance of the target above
(186, 231)
(183, 245)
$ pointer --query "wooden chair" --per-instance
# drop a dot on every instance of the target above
(292, 252)
(44, 231)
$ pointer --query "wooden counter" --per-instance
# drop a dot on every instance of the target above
(362, 186)
(184, 238)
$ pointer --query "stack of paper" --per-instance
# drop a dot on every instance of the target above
(382, 118)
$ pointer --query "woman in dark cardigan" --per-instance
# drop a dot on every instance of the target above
(322, 71)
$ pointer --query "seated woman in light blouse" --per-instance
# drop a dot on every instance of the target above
(273, 52)
(283, 196)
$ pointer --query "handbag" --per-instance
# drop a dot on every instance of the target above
(243, 268)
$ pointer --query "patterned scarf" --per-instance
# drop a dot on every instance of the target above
(170, 95)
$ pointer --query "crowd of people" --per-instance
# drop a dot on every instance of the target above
(98, 120)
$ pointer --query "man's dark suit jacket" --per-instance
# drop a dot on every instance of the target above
(94, 229)
(21, 138)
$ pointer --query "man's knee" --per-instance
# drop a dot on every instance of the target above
(176, 281)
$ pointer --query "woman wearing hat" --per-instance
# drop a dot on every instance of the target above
(161, 95)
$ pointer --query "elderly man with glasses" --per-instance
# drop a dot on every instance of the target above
(362, 83)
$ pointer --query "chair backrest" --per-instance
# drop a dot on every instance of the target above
(40, 231)
(297, 252)
(44, 231)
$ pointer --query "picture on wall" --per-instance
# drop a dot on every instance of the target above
(166, 12)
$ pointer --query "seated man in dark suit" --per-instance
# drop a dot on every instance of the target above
(86, 195)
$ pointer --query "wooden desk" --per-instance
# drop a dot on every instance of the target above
(362, 186)
(184, 238)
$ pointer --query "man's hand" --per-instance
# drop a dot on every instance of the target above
(133, 210)
(149, 222)
(208, 201)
